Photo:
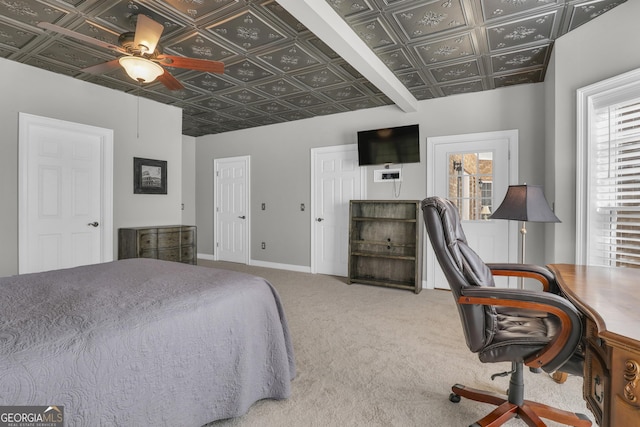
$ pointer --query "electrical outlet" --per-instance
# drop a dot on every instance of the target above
(302, 207)
(264, 245)
(263, 207)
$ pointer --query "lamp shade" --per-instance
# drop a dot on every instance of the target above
(525, 203)
(141, 69)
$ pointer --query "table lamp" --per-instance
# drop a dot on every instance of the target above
(525, 203)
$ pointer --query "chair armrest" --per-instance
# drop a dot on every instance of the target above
(531, 271)
(562, 346)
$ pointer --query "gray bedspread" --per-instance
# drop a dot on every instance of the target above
(142, 343)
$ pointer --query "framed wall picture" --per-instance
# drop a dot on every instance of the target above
(149, 176)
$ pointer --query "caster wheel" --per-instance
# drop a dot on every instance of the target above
(454, 398)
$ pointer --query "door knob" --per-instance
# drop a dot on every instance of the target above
(242, 217)
(93, 224)
(320, 219)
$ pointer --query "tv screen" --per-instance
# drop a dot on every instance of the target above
(390, 145)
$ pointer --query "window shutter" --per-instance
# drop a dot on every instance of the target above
(614, 185)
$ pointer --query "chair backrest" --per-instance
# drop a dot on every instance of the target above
(461, 266)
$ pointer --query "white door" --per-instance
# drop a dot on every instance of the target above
(336, 179)
(65, 194)
(231, 184)
(474, 171)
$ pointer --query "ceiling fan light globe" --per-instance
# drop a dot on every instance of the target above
(141, 69)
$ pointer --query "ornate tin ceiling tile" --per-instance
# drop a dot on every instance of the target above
(452, 48)
(209, 82)
(278, 88)
(518, 33)
(411, 80)
(290, 58)
(322, 47)
(326, 109)
(122, 16)
(396, 60)
(271, 107)
(375, 34)
(492, 9)
(14, 37)
(519, 78)
(304, 101)
(584, 12)
(361, 104)
(196, 9)
(350, 8)
(247, 31)
(31, 12)
(247, 71)
(534, 57)
(70, 55)
(294, 115)
(432, 18)
(214, 104)
(343, 93)
(285, 16)
(198, 46)
(466, 87)
(39, 62)
(350, 70)
(244, 96)
(183, 94)
(243, 113)
(463, 70)
(422, 93)
(319, 78)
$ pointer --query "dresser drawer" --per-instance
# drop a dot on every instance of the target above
(168, 240)
(188, 236)
(171, 254)
(148, 239)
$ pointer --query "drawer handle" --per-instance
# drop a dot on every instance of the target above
(598, 393)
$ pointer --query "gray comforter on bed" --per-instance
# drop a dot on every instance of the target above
(142, 343)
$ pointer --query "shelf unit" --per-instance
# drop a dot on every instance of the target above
(385, 243)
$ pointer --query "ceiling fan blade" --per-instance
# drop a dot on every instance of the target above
(104, 67)
(148, 34)
(192, 63)
(79, 36)
(169, 81)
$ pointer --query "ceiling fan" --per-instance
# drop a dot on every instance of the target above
(142, 58)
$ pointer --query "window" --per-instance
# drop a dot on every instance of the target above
(610, 155)
(471, 184)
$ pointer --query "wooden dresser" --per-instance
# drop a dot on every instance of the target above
(609, 299)
(170, 243)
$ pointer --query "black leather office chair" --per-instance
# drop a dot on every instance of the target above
(538, 329)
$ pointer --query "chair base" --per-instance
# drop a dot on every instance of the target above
(530, 412)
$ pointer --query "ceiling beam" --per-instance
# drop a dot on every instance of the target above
(324, 22)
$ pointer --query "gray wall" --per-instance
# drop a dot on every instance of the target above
(603, 48)
(35, 91)
(280, 162)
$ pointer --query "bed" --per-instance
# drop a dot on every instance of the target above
(142, 342)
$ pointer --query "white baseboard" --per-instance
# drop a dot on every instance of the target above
(290, 267)
(258, 263)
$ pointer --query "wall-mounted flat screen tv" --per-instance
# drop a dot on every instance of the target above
(390, 145)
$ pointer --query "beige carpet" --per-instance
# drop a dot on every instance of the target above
(374, 356)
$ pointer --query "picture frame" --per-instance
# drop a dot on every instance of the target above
(149, 176)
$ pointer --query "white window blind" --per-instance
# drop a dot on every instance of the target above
(614, 184)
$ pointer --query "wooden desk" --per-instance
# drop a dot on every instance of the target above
(610, 300)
